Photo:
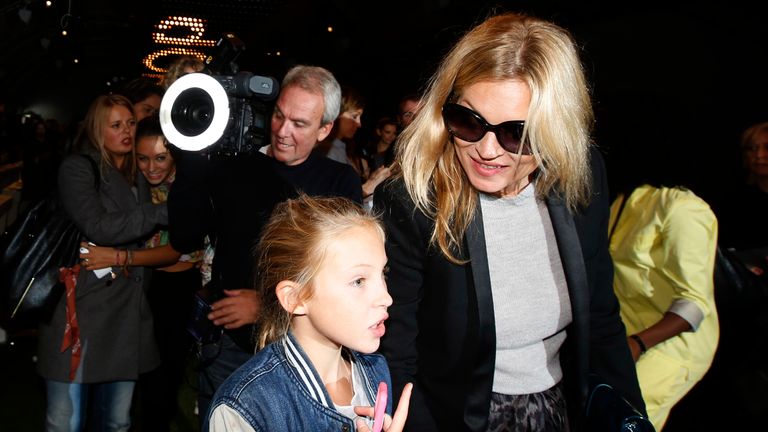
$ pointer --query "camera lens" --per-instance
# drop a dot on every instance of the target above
(192, 112)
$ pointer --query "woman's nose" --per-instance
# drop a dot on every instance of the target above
(488, 148)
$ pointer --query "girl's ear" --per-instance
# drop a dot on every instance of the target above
(288, 294)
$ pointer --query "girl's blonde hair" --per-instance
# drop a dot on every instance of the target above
(92, 134)
(293, 247)
(504, 47)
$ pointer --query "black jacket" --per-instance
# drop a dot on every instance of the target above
(230, 199)
(441, 331)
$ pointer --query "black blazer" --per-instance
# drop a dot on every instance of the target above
(441, 332)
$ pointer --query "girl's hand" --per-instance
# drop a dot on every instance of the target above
(98, 257)
(391, 424)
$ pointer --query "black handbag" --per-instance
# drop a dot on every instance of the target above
(40, 242)
(741, 277)
(608, 411)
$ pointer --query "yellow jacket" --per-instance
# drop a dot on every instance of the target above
(663, 249)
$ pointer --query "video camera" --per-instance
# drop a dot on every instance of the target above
(222, 107)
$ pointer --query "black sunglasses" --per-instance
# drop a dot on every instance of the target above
(465, 124)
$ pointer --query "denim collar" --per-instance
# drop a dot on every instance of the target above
(306, 371)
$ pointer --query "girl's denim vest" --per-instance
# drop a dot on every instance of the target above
(278, 389)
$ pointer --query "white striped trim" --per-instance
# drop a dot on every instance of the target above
(304, 370)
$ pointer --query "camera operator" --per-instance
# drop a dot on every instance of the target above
(229, 198)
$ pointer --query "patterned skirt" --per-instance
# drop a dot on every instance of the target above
(537, 412)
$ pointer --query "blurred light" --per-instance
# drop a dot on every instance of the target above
(63, 32)
(179, 38)
(109, 83)
(48, 3)
(25, 15)
(155, 76)
(330, 29)
(277, 53)
(77, 61)
(193, 38)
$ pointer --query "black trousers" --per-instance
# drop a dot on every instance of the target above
(171, 297)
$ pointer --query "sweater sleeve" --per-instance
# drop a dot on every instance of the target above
(225, 419)
(82, 200)
(690, 244)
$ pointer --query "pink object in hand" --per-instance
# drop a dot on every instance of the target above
(380, 407)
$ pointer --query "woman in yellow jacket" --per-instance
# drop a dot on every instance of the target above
(663, 243)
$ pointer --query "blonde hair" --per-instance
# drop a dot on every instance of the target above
(560, 118)
(177, 69)
(748, 139)
(92, 133)
(293, 247)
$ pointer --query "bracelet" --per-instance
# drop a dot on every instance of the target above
(640, 343)
(128, 260)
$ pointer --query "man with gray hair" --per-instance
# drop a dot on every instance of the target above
(308, 104)
(235, 200)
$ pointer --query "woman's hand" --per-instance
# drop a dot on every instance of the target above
(99, 257)
(391, 424)
(376, 177)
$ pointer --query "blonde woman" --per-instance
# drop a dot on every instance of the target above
(100, 337)
(496, 238)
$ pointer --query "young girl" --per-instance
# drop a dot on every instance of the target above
(324, 303)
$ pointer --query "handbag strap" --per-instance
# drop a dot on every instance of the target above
(618, 216)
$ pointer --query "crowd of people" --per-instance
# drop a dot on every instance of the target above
(467, 254)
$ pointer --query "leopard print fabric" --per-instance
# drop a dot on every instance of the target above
(538, 412)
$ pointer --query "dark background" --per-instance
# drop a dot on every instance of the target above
(673, 87)
(673, 84)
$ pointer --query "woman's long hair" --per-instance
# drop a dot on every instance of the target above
(505, 47)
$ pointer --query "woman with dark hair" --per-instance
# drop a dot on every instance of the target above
(382, 151)
(145, 96)
(171, 294)
(340, 145)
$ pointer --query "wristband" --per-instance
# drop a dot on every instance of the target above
(127, 261)
(640, 343)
